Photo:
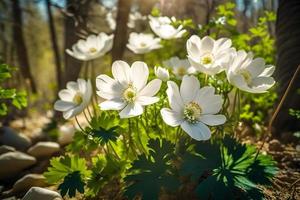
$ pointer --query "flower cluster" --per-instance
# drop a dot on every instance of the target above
(192, 107)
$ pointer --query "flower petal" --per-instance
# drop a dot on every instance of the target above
(170, 117)
(72, 85)
(268, 71)
(207, 44)
(66, 95)
(82, 85)
(139, 74)
(213, 120)
(144, 100)
(193, 46)
(189, 88)
(113, 104)
(197, 131)
(256, 67)
(151, 88)
(175, 100)
(60, 105)
(211, 104)
(131, 110)
(121, 72)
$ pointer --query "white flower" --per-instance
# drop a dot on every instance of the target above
(93, 47)
(193, 108)
(207, 55)
(141, 43)
(162, 73)
(250, 75)
(221, 20)
(162, 26)
(75, 98)
(128, 91)
(134, 17)
(180, 67)
(111, 21)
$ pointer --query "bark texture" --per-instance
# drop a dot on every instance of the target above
(288, 59)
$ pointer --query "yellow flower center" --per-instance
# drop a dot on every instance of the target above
(143, 44)
(77, 99)
(92, 50)
(247, 75)
(192, 112)
(129, 94)
(207, 59)
(181, 71)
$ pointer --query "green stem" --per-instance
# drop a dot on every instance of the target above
(79, 124)
(113, 149)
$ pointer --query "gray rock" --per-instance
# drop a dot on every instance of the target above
(66, 134)
(5, 149)
(38, 193)
(43, 149)
(26, 182)
(11, 163)
(9, 137)
(274, 145)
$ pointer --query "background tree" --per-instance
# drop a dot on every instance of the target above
(288, 48)
(56, 52)
(21, 46)
(121, 35)
(75, 23)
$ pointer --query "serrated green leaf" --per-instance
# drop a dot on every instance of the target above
(72, 183)
(149, 174)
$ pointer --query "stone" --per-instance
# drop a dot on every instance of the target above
(11, 163)
(43, 149)
(26, 182)
(38, 193)
(10, 137)
(274, 145)
(66, 134)
(5, 149)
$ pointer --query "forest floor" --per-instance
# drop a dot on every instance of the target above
(286, 184)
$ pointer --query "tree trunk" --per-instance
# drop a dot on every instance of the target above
(121, 35)
(20, 44)
(288, 53)
(74, 24)
(54, 46)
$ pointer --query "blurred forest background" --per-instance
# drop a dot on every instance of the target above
(35, 33)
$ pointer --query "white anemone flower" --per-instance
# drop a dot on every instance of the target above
(180, 67)
(110, 19)
(93, 47)
(162, 26)
(141, 43)
(193, 108)
(128, 91)
(250, 75)
(75, 98)
(162, 73)
(134, 17)
(207, 55)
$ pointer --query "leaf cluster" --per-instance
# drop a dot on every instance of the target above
(153, 172)
(227, 170)
(72, 170)
(9, 96)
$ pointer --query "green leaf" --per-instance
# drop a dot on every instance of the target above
(71, 183)
(105, 168)
(104, 129)
(223, 168)
(150, 173)
(71, 170)
(3, 109)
